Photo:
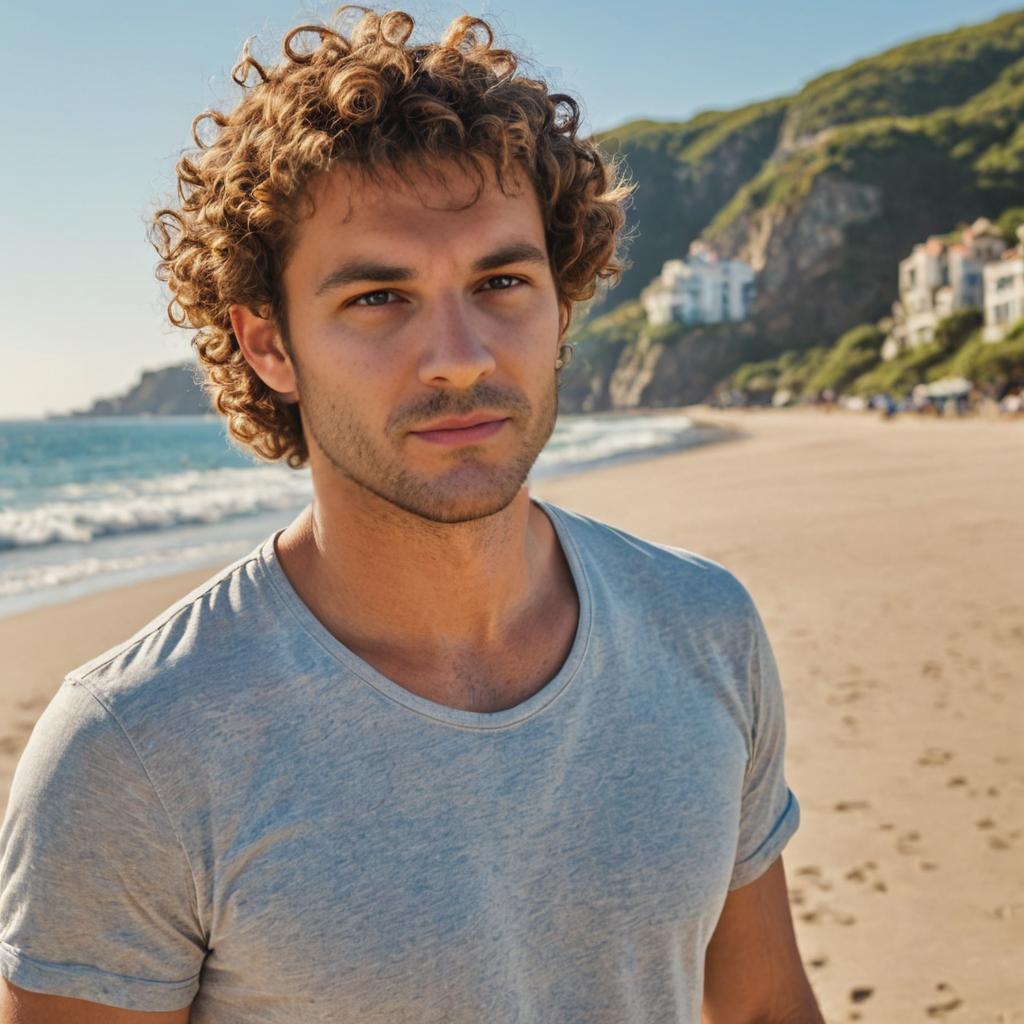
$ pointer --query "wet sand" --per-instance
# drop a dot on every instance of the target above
(887, 559)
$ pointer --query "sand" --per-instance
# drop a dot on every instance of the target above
(887, 559)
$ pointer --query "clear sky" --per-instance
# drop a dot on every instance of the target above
(101, 96)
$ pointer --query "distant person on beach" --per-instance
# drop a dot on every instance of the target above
(436, 751)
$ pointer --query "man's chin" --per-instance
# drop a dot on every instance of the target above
(450, 506)
(460, 497)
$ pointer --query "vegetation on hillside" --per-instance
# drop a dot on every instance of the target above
(928, 166)
(854, 366)
(916, 78)
(995, 365)
(1008, 223)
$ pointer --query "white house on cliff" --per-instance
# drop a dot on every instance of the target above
(700, 289)
(937, 278)
(1004, 291)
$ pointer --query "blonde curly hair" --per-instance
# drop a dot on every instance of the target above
(374, 100)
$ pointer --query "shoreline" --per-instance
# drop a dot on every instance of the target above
(881, 560)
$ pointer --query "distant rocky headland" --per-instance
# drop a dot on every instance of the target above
(169, 391)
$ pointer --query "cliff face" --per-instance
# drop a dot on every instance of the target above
(823, 193)
(798, 253)
(684, 174)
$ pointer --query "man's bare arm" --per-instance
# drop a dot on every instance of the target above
(752, 971)
(20, 1006)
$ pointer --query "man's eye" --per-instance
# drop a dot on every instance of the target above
(503, 282)
(373, 299)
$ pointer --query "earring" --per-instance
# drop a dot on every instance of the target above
(565, 354)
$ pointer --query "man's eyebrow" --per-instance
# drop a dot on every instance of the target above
(367, 270)
(515, 252)
(361, 270)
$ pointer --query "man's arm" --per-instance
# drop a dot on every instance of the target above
(752, 971)
(19, 1006)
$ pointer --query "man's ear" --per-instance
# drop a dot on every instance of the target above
(564, 320)
(260, 341)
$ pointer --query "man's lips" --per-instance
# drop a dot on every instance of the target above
(461, 430)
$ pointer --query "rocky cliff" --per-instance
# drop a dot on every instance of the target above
(822, 192)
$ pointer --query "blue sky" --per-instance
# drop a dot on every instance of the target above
(106, 93)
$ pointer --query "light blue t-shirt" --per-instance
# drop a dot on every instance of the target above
(232, 809)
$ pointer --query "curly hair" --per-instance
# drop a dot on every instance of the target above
(372, 100)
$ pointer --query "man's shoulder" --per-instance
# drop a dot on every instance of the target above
(189, 641)
(656, 573)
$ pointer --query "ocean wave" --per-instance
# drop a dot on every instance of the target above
(582, 441)
(26, 579)
(80, 513)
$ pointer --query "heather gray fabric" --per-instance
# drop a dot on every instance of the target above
(232, 806)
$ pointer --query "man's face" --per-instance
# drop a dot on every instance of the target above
(409, 310)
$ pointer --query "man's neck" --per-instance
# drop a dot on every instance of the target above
(388, 583)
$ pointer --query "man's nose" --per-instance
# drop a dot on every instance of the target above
(454, 352)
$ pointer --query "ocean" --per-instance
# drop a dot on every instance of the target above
(92, 503)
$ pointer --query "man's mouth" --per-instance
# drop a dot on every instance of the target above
(459, 430)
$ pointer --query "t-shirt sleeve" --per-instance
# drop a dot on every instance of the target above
(769, 812)
(97, 899)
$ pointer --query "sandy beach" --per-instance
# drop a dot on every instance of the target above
(886, 559)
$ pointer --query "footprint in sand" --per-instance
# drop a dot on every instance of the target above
(935, 756)
(822, 913)
(10, 744)
(815, 876)
(867, 874)
(909, 843)
(1006, 911)
(957, 780)
(852, 805)
(32, 704)
(932, 670)
(946, 1004)
(852, 691)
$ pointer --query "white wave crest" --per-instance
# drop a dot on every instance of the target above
(29, 578)
(79, 513)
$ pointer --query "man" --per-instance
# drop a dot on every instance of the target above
(436, 751)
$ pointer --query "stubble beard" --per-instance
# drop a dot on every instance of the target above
(472, 488)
